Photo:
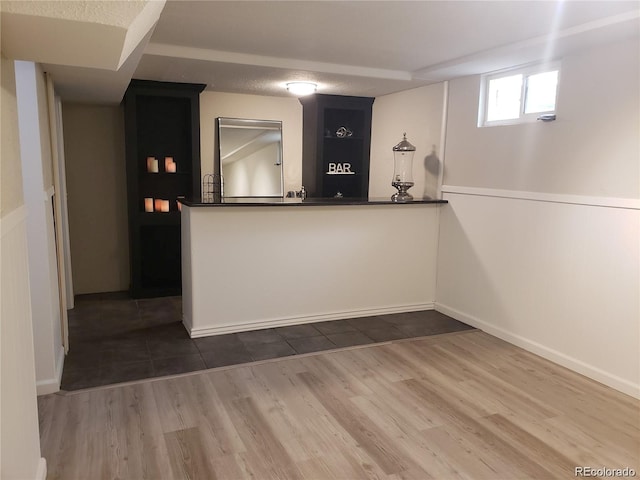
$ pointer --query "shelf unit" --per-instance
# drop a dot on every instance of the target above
(334, 161)
(161, 120)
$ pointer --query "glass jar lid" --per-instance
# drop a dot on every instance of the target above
(404, 145)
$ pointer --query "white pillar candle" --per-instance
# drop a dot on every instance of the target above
(167, 162)
(165, 205)
(171, 168)
(157, 205)
(148, 204)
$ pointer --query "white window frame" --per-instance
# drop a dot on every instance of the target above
(525, 71)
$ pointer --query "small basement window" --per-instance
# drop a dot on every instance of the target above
(518, 95)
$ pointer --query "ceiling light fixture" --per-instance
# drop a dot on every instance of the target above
(302, 88)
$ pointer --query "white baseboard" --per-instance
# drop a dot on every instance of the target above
(613, 381)
(299, 320)
(41, 473)
(52, 385)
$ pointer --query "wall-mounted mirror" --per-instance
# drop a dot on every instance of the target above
(249, 157)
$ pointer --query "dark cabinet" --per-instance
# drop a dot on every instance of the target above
(162, 137)
(336, 145)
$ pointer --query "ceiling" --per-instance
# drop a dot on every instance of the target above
(368, 48)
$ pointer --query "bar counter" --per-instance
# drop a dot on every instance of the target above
(273, 262)
(307, 202)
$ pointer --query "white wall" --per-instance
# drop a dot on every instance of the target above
(591, 149)
(288, 110)
(418, 112)
(539, 243)
(558, 279)
(11, 193)
(35, 145)
(19, 443)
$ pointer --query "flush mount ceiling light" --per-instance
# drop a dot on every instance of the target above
(302, 88)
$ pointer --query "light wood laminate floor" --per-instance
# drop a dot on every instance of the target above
(463, 405)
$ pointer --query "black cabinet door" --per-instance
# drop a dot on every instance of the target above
(162, 125)
(336, 145)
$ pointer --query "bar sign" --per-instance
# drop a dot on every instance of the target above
(340, 169)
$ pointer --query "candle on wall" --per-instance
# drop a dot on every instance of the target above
(165, 205)
(157, 204)
(168, 161)
(148, 204)
(171, 167)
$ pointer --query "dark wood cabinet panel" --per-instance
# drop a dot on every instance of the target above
(161, 120)
(336, 145)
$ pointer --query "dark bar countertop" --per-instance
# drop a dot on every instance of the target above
(307, 202)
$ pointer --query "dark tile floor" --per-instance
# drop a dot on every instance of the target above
(116, 339)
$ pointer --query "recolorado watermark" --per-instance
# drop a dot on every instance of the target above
(604, 472)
